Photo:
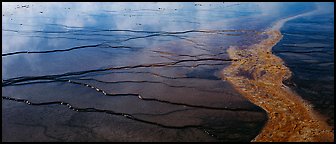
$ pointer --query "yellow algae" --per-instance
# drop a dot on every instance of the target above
(290, 117)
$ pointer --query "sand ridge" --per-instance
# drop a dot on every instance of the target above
(259, 76)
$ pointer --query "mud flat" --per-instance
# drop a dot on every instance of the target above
(259, 76)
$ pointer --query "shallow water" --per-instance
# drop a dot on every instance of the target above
(308, 50)
(129, 71)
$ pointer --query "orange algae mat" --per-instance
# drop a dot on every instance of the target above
(258, 75)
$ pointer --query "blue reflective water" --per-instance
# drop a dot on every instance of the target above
(308, 50)
(112, 56)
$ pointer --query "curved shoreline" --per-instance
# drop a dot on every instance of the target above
(259, 76)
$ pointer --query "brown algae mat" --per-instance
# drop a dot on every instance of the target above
(258, 75)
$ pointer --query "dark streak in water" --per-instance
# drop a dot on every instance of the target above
(186, 55)
(9, 82)
(138, 31)
(77, 109)
(126, 115)
(25, 78)
(64, 50)
(146, 81)
(153, 99)
(161, 114)
(152, 34)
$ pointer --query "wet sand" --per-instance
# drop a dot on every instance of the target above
(259, 76)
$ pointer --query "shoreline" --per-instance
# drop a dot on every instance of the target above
(258, 75)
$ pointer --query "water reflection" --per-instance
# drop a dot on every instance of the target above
(155, 64)
(308, 50)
